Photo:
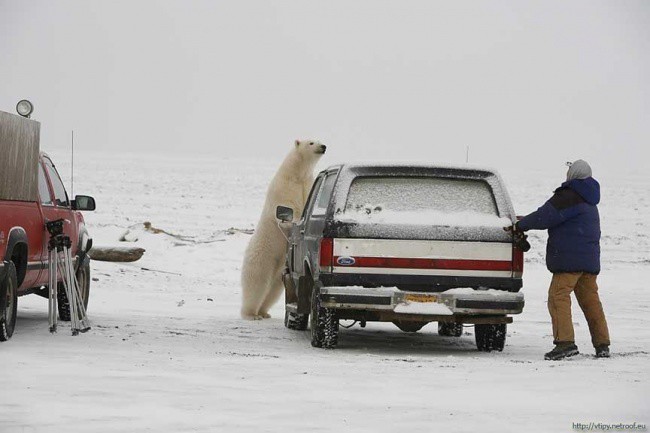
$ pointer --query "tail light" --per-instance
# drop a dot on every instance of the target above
(517, 262)
(326, 253)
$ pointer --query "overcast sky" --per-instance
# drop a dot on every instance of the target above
(519, 82)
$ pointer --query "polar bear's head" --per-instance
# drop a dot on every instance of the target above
(311, 149)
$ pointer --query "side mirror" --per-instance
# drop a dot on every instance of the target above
(284, 214)
(83, 202)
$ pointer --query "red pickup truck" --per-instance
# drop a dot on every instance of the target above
(31, 193)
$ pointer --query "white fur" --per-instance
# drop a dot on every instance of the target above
(265, 256)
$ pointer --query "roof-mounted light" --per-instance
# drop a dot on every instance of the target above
(25, 108)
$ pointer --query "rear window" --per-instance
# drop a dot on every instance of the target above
(422, 193)
(421, 200)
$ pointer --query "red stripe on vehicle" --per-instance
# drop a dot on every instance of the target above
(405, 263)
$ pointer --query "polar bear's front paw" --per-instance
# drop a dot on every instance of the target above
(265, 315)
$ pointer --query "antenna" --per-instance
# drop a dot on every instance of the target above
(72, 168)
(467, 154)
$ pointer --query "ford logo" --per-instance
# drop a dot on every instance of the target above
(345, 261)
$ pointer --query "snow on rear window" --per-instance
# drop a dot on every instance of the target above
(421, 194)
(421, 200)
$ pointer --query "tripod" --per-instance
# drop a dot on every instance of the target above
(61, 263)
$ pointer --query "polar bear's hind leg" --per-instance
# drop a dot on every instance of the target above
(276, 288)
(254, 286)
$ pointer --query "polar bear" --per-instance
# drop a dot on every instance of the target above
(265, 256)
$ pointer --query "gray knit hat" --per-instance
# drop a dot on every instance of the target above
(580, 169)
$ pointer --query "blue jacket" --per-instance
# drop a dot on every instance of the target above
(573, 224)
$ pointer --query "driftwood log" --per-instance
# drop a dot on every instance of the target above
(116, 254)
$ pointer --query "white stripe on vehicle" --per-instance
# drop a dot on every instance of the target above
(422, 249)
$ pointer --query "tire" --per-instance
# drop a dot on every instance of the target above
(490, 337)
(447, 329)
(409, 325)
(8, 302)
(83, 277)
(295, 321)
(324, 324)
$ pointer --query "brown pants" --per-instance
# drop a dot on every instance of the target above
(559, 305)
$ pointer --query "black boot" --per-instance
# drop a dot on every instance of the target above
(561, 351)
(602, 351)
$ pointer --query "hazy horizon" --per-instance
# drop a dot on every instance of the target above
(521, 83)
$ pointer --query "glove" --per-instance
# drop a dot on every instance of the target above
(513, 228)
(519, 238)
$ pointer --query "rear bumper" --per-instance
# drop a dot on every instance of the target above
(454, 302)
(431, 283)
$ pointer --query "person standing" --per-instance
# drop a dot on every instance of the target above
(573, 256)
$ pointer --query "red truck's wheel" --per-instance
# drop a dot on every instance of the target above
(83, 277)
(8, 303)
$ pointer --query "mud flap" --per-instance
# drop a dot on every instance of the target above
(304, 295)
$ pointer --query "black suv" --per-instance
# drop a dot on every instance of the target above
(404, 244)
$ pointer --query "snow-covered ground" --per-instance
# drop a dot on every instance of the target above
(169, 353)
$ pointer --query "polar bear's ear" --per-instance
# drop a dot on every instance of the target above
(297, 143)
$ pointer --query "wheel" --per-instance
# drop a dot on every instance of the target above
(447, 329)
(409, 325)
(323, 323)
(490, 337)
(83, 277)
(8, 302)
(295, 321)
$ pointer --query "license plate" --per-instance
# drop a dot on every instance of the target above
(420, 298)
